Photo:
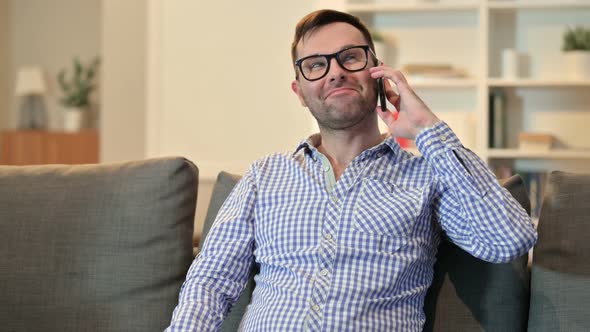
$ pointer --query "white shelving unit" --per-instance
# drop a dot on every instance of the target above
(524, 83)
(470, 35)
(400, 6)
(560, 154)
(528, 4)
(444, 83)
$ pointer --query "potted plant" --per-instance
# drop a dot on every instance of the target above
(576, 48)
(76, 89)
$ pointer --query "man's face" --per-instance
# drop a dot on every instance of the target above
(341, 99)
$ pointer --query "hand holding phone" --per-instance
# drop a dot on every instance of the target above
(381, 91)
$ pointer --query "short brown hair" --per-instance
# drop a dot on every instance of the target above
(323, 17)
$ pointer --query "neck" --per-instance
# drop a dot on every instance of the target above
(342, 146)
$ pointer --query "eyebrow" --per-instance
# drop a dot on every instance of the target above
(342, 48)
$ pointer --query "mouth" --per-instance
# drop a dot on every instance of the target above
(340, 91)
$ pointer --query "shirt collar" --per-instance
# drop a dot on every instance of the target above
(309, 144)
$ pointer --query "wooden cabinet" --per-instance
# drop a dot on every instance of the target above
(35, 147)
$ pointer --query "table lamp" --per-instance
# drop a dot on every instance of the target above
(30, 87)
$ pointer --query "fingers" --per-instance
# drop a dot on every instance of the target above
(391, 95)
(395, 75)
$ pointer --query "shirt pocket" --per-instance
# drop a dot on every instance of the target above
(387, 209)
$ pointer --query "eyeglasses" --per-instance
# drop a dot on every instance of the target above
(354, 58)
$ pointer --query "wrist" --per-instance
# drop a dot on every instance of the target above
(430, 123)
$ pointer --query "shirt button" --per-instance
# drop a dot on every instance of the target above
(326, 169)
(315, 307)
(335, 198)
(324, 272)
(444, 138)
(328, 236)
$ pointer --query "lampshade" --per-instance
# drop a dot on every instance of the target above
(30, 81)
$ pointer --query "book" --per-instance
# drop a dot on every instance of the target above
(432, 71)
(535, 141)
(497, 119)
(535, 185)
(503, 171)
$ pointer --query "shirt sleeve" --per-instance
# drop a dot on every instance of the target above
(473, 209)
(220, 272)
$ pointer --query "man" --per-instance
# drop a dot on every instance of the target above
(345, 228)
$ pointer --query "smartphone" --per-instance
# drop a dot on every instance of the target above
(381, 88)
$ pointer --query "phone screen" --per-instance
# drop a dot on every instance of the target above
(381, 88)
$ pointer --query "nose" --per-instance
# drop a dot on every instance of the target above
(336, 73)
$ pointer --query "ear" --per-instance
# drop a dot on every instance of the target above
(297, 89)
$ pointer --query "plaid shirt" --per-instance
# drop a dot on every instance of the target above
(353, 255)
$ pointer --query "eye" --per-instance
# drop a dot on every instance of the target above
(315, 64)
(350, 56)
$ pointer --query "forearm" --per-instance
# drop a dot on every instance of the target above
(494, 228)
(221, 270)
(472, 207)
(198, 310)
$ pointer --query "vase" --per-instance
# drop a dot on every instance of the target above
(577, 65)
(74, 119)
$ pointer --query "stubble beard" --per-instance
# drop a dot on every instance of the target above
(341, 115)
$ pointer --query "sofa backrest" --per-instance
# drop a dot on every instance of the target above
(560, 274)
(467, 294)
(94, 247)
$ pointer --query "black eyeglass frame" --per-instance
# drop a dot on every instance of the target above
(336, 55)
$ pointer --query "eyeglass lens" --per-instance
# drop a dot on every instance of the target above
(351, 59)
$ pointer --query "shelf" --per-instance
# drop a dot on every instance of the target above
(470, 35)
(553, 154)
(442, 82)
(513, 5)
(499, 82)
(446, 7)
(410, 7)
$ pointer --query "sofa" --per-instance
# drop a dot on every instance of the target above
(107, 248)
(95, 247)
(467, 294)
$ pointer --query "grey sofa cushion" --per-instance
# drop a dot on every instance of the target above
(560, 275)
(468, 294)
(94, 247)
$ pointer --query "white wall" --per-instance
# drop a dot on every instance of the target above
(51, 34)
(4, 62)
(208, 80)
(123, 109)
(219, 82)
(225, 78)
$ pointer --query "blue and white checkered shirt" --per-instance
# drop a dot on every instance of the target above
(356, 255)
